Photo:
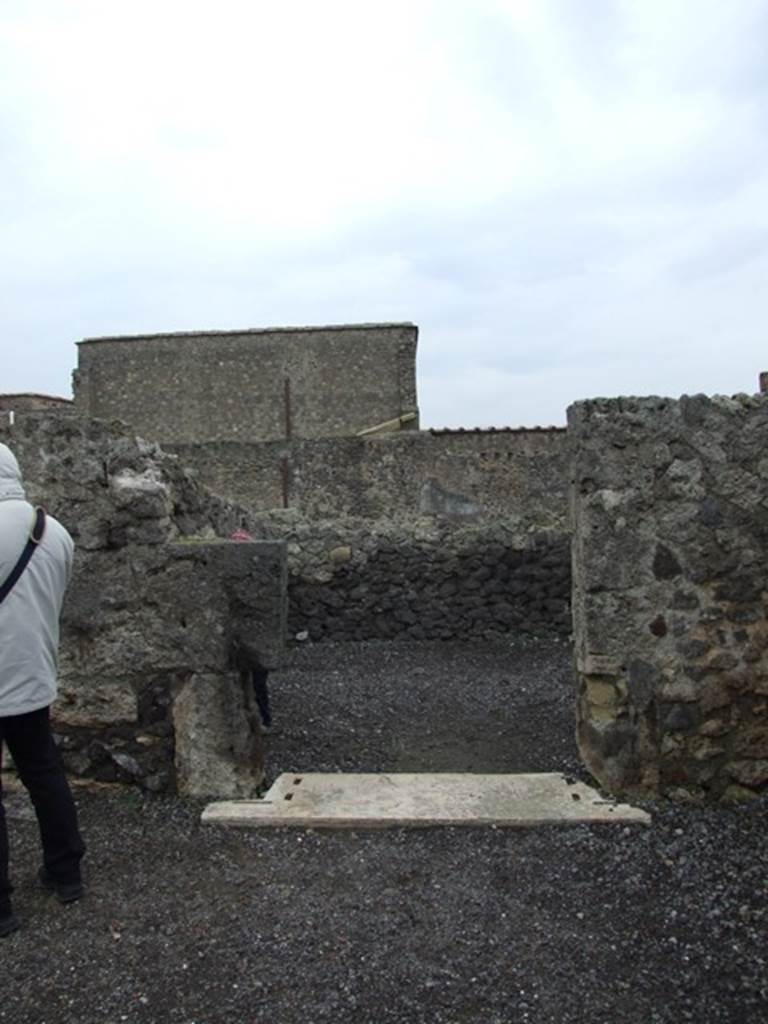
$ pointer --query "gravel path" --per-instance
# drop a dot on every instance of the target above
(584, 924)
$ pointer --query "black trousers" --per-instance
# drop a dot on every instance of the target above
(38, 762)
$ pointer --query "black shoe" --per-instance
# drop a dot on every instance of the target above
(9, 924)
(66, 892)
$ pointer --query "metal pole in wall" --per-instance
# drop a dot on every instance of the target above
(286, 476)
(285, 463)
(288, 419)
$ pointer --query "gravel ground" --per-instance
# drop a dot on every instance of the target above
(586, 923)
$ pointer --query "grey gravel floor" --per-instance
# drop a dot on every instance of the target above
(591, 923)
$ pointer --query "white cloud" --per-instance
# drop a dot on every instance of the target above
(567, 198)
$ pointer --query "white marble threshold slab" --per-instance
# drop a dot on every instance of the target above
(350, 800)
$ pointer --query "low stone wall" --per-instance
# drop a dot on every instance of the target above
(148, 692)
(418, 590)
(670, 566)
(354, 579)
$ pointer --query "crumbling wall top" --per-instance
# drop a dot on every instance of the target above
(308, 329)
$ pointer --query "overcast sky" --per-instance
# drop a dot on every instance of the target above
(569, 197)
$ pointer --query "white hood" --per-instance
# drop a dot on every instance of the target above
(10, 476)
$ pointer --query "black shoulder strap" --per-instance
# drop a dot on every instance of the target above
(35, 536)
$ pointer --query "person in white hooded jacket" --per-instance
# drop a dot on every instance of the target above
(29, 640)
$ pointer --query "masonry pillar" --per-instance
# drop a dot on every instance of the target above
(670, 563)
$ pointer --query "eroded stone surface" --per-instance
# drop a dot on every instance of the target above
(670, 518)
(214, 753)
(158, 596)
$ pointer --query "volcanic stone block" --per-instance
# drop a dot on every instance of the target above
(246, 583)
(218, 738)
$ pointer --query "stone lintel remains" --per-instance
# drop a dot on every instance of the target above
(244, 583)
(670, 592)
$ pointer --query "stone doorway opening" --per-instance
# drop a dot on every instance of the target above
(424, 734)
(401, 706)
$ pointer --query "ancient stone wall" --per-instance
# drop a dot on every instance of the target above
(449, 533)
(426, 534)
(518, 475)
(474, 585)
(148, 692)
(670, 567)
(251, 385)
(355, 579)
(418, 534)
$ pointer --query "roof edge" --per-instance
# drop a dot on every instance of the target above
(249, 330)
(498, 430)
(35, 394)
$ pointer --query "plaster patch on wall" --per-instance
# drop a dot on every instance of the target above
(436, 501)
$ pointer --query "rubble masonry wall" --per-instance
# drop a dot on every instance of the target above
(253, 385)
(147, 689)
(428, 534)
(670, 593)
(512, 474)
